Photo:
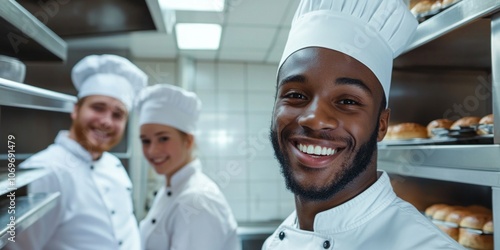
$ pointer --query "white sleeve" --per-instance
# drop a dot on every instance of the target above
(38, 234)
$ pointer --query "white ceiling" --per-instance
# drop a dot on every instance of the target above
(252, 30)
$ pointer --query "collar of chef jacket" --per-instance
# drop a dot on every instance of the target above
(178, 180)
(354, 212)
(73, 147)
(358, 210)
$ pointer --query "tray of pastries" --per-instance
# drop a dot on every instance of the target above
(424, 9)
(471, 226)
(469, 129)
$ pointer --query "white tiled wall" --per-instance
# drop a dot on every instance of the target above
(233, 139)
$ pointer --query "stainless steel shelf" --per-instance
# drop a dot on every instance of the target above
(28, 210)
(23, 36)
(458, 15)
(25, 96)
(476, 177)
(471, 157)
(22, 178)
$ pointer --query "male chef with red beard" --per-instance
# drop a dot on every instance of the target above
(330, 110)
(94, 210)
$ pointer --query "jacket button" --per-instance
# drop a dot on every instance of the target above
(326, 244)
(282, 235)
(169, 193)
(112, 211)
(91, 167)
(120, 242)
(153, 221)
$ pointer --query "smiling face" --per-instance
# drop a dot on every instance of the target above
(98, 123)
(327, 120)
(166, 148)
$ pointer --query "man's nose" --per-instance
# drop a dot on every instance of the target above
(318, 115)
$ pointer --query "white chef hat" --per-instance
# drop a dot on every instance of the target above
(373, 32)
(108, 75)
(169, 105)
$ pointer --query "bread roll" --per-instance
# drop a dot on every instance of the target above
(451, 231)
(442, 213)
(429, 212)
(425, 6)
(388, 135)
(477, 209)
(438, 123)
(488, 227)
(466, 122)
(471, 239)
(408, 130)
(455, 217)
(487, 119)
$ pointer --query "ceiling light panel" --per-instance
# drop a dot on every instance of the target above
(193, 5)
(198, 36)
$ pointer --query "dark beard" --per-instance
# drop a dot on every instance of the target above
(81, 138)
(347, 174)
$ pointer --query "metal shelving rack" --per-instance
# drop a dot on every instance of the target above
(23, 36)
(471, 164)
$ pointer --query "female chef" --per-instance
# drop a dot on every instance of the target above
(189, 211)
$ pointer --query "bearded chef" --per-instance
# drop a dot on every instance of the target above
(189, 211)
(330, 110)
(94, 210)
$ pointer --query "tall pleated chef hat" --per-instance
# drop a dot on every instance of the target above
(108, 75)
(169, 105)
(374, 32)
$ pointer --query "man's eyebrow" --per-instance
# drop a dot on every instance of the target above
(292, 78)
(355, 82)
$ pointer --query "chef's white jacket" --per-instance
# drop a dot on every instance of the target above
(95, 207)
(190, 214)
(375, 219)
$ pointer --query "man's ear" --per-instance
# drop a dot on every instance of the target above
(383, 123)
(74, 113)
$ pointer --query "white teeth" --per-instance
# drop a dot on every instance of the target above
(316, 150)
(157, 160)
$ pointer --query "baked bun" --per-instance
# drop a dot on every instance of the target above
(446, 3)
(487, 119)
(425, 7)
(466, 122)
(429, 211)
(472, 239)
(479, 209)
(442, 213)
(454, 217)
(488, 227)
(408, 130)
(438, 123)
(389, 135)
(457, 215)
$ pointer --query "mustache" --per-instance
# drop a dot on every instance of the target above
(321, 135)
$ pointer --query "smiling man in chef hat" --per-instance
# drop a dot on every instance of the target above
(332, 90)
(94, 210)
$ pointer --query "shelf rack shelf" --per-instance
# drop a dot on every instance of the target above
(22, 178)
(24, 37)
(454, 17)
(468, 164)
(28, 210)
(21, 95)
